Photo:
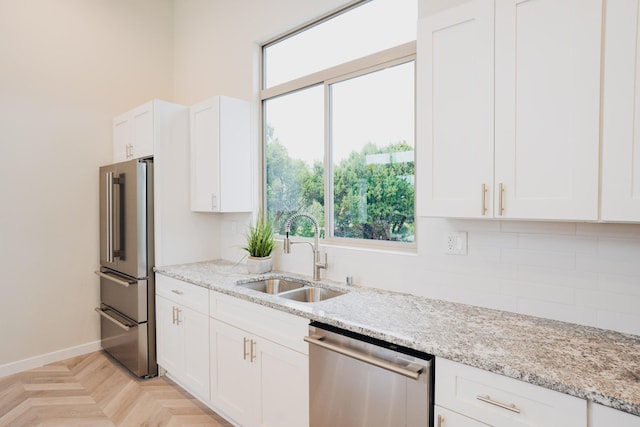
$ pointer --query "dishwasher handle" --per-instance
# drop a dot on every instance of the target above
(414, 374)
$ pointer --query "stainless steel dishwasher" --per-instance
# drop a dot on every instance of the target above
(355, 380)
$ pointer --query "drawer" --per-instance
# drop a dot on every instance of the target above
(445, 418)
(501, 401)
(183, 293)
(282, 328)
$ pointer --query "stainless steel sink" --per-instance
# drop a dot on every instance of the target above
(311, 294)
(272, 286)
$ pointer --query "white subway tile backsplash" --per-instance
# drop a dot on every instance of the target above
(558, 243)
(621, 322)
(538, 291)
(598, 263)
(556, 311)
(539, 258)
(541, 227)
(608, 301)
(611, 230)
(567, 278)
(492, 239)
(620, 284)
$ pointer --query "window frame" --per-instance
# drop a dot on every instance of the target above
(378, 61)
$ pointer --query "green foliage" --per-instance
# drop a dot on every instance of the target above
(372, 199)
(260, 240)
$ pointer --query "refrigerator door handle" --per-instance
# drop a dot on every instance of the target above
(112, 319)
(109, 212)
(124, 283)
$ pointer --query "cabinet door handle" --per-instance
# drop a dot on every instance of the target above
(214, 201)
(253, 346)
(177, 291)
(501, 199)
(441, 421)
(509, 406)
(484, 199)
(178, 313)
(245, 353)
(173, 315)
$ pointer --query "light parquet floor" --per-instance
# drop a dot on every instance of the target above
(94, 390)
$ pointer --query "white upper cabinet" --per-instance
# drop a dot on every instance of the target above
(133, 133)
(509, 110)
(455, 111)
(221, 166)
(620, 198)
(547, 107)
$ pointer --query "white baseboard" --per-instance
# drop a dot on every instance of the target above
(45, 359)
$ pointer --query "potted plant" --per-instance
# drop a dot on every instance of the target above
(260, 243)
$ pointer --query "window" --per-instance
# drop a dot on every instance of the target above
(339, 130)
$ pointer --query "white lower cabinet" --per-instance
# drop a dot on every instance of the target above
(478, 398)
(182, 333)
(603, 416)
(255, 379)
(446, 418)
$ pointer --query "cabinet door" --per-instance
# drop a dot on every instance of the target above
(603, 416)
(121, 137)
(142, 131)
(235, 155)
(547, 107)
(234, 376)
(221, 161)
(444, 418)
(620, 198)
(284, 385)
(455, 111)
(169, 337)
(205, 156)
(196, 357)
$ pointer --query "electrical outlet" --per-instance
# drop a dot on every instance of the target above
(455, 242)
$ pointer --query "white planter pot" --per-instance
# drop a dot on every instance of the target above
(259, 265)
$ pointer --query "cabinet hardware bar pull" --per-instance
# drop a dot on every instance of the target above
(484, 199)
(441, 420)
(112, 319)
(501, 203)
(392, 367)
(120, 282)
(245, 353)
(511, 407)
(173, 322)
(253, 356)
(177, 291)
(178, 313)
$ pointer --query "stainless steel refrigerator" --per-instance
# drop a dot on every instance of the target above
(127, 286)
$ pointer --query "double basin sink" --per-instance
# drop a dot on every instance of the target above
(291, 289)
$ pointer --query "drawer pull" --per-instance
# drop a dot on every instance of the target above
(488, 399)
(441, 421)
(177, 291)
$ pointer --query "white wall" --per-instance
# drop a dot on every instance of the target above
(66, 68)
(582, 273)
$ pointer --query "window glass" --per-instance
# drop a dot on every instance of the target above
(372, 140)
(294, 155)
(366, 29)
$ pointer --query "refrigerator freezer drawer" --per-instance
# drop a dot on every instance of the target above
(126, 341)
(127, 295)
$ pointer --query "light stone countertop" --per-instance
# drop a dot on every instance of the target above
(595, 364)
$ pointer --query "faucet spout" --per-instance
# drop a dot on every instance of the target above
(317, 263)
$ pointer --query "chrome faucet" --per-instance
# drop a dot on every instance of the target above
(317, 264)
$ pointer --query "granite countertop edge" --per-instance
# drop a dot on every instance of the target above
(444, 329)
